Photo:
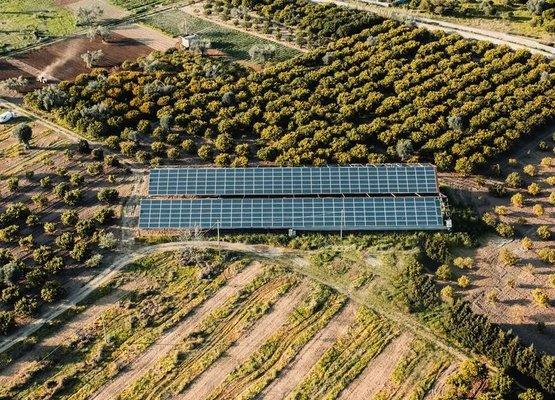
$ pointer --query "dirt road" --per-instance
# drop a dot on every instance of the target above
(513, 41)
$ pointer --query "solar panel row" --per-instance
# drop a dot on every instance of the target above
(375, 179)
(361, 213)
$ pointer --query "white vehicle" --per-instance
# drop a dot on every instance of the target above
(5, 117)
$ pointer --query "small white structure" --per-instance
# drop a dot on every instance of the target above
(5, 117)
(190, 41)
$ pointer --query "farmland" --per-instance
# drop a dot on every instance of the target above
(230, 41)
(54, 230)
(216, 316)
(194, 315)
(23, 23)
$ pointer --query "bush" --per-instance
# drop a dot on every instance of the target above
(7, 322)
(108, 195)
(544, 232)
(26, 306)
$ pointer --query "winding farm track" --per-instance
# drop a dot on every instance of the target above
(167, 341)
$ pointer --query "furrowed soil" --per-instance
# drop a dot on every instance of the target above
(160, 348)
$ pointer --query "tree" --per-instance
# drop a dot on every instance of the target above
(517, 200)
(447, 294)
(69, 217)
(51, 291)
(538, 210)
(404, 149)
(526, 243)
(507, 257)
(224, 143)
(88, 16)
(544, 232)
(463, 262)
(536, 6)
(540, 297)
(261, 53)
(444, 272)
(463, 281)
(514, 180)
(7, 322)
(534, 189)
(23, 132)
(13, 184)
(205, 152)
(94, 261)
(92, 58)
(108, 195)
(26, 306)
(505, 230)
(530, 170)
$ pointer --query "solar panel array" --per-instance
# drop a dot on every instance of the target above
(374, 179)
(358, 213)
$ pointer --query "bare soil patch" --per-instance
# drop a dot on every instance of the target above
(64, 58)
(290, 377)
(143, 34)
(111, 11)
(165, 343)
(243, 348)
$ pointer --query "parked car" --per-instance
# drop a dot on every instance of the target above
(6, 116)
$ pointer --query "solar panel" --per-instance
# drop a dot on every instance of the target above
(332, 214)
(376, 179)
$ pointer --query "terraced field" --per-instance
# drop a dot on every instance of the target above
(215, 324)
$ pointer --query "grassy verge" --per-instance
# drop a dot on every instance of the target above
(232, 42)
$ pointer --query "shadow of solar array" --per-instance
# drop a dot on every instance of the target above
(350, 198)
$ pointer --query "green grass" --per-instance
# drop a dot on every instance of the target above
(133, 4)
(25, 22)
(234, 43)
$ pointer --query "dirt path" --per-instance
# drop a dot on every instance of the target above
(242, 349)
(513, 41)
(377, 373)
(165, 343)
(290, 377)
(150, 37)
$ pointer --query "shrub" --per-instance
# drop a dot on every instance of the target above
(530, 170)
(526, 243)
(517, 200)
(463, 281)
(534, 189)
(463, 262)
(505, 230)
(544, 232)
(507, 257)
(7, 322)
(538, 210)
(444, 272)
(540, 297)
(108, 195)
